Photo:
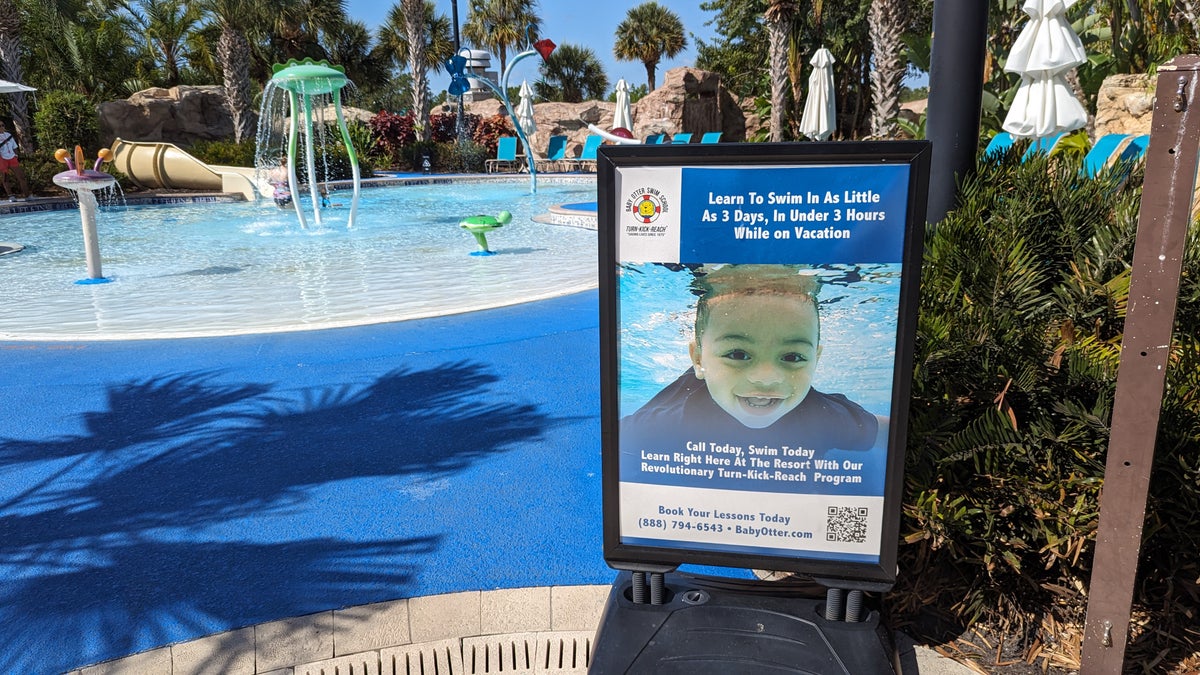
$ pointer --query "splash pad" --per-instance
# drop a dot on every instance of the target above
(311, 87)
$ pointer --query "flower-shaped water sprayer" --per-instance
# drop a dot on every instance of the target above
(83, 182)
(456, 66)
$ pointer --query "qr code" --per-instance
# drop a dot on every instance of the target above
(846, 524)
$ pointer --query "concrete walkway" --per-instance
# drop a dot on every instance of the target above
(527, 631)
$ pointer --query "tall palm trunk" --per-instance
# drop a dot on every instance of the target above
(10, 56)
(778, 18)
(886, 22)
(777, 43)
(233, 51)
(414, 14)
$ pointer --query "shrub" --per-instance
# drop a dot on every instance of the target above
(392, 134)
(1023, 295)
(466, 157)
(225, 152)
(64, 120)
(490, 129)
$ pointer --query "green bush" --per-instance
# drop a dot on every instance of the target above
(64, 120)
(224, 152)
(466, 157)
(1023, 296)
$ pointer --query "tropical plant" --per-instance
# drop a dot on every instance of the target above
(778, 16)
(393, 40)
(649, 32)
(888, 20)
(66, 119)
(410, 14)
(233, 18)
(299, 26)
(1024, 289)
(572, 74)
(500, 25)
(165, 25)
(489, 130)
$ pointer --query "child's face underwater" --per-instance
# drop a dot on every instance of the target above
(757, 356)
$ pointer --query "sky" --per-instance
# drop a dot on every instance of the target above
(572, 22)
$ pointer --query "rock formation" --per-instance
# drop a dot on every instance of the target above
(1125, 105)
(689, 100)
(180, 115)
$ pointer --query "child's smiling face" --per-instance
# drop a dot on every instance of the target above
(757, 355)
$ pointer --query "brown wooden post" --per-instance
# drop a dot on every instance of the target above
(1171, 162)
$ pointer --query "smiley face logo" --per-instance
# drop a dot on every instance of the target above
(648, 209)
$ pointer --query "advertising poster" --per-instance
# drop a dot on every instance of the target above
(757, 314)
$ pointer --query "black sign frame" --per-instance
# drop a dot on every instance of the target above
(613, 159)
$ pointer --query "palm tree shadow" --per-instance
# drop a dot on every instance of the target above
(120, 540)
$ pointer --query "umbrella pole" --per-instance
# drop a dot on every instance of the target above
(955, 97)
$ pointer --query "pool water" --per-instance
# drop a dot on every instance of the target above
(214, 269)
(858, 307)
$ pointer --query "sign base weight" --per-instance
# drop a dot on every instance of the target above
(715, 626)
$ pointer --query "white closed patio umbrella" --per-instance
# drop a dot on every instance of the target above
(525, 111)
(820, 109)
(623, 115)
(1045, 51)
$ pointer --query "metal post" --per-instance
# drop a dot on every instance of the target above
(1171, 162)
(955, 97)
(458, 122)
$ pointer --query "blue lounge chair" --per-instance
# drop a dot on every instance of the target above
(999, 144)
(1102, 153)
(1135, 149)
(586, 161)
(506, 155)
(1044, 145)
(711, 137)
(681, 138)
(655, 139)
(556, 155)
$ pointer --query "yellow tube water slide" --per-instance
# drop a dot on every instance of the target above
(155, 166)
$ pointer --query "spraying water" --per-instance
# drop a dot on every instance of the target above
(309, 89)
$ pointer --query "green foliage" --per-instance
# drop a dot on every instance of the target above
(572, 74)
(64, 120)
(635, 94)
(489, 130)
(1023, 295)
(225, 152)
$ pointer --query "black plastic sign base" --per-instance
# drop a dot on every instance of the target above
(707, 626)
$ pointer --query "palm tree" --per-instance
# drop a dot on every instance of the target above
(299, 25)
(779, 15)
(497, 25)
(572, 74)
(10, 57)
(234, 18)
(887, 21)
(648, 33)
(166, 25)
(410, 15)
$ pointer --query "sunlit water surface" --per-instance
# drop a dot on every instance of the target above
(214, 269)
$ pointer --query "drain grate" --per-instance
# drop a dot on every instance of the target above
(359, 664)
(564, 653)
(427, 658)
(512, 654)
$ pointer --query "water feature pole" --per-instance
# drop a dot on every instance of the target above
(303, 80)
(82, 182)
(459, 85)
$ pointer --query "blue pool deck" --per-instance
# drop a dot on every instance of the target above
(157, 491)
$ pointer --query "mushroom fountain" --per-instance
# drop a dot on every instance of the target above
(84, 182)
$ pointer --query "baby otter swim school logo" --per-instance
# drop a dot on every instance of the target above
(646, 204)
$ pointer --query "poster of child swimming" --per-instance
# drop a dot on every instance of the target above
(759, 330)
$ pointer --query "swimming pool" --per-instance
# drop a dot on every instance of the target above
(221, 269)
